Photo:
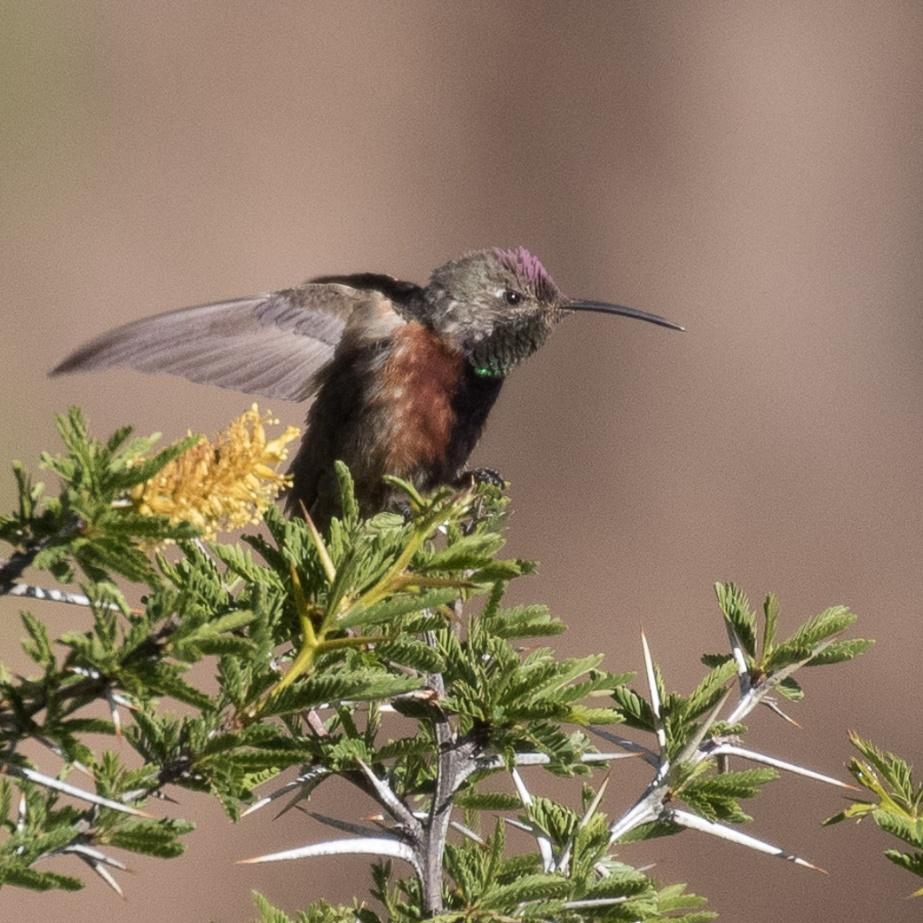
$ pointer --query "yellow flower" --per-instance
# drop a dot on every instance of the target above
(224, 484)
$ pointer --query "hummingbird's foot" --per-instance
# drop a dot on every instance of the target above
(472, 477)
(475, 477)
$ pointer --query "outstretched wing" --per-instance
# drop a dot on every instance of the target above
(268, 344)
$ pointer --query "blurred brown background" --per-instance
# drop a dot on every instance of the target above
(752, 170)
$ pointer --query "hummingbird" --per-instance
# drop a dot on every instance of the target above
(402, 376)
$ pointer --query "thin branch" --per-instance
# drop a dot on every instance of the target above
(449, 769)
(385, 796)
(323, 554)
(48, 594)
(600, 902)
(11, 569)
(454, 824)
(495, 761)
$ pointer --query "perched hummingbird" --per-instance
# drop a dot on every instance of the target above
(403, 376)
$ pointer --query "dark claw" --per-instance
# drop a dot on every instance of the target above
(474, 476)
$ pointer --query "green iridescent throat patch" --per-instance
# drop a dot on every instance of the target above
(486, 371)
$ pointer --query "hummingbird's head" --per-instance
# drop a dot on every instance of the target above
(498, 306)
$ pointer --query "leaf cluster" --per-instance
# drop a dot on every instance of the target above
(897, 807)
(770, 661)
(698, 733)
(90, 525)
(380, 654)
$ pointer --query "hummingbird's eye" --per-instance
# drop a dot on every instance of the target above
(512, 296)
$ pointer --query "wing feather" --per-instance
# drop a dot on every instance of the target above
(271, 344)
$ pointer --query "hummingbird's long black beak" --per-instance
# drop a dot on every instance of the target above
(603, 307)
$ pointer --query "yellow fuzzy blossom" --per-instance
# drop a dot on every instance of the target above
(223, 484)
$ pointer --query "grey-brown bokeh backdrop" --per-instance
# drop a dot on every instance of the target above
(753, 170)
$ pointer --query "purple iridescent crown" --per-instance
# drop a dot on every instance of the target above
(529, 269)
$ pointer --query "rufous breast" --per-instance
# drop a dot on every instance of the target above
(421, 377)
